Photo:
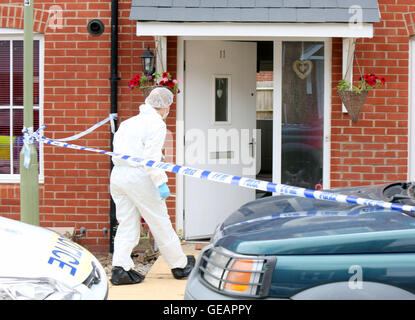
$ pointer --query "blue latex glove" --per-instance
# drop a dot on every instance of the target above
(164, 191)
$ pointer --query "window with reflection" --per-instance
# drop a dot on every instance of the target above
(302, 114)
(221, 99)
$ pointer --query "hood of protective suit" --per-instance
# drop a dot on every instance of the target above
(146, 109)
(160, 98)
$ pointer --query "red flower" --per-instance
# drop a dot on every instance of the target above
(163, 80)
(134, 82)
(382, 79)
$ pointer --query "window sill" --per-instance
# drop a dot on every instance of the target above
(15, 178)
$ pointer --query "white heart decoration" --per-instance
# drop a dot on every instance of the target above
(302, 68)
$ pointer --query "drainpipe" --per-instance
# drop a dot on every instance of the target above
(114, 108)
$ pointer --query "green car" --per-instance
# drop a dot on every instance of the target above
(287, 247)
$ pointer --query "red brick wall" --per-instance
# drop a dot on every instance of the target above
(76, 96)
(265, 76)
(170, 144)
(409, 18)
(375, 149)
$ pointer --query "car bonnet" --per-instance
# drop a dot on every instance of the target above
(32, 252)
(292, 225)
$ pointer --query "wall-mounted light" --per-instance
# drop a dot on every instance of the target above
(147, 59)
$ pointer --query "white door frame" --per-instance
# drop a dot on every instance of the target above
(411, 111)
(277, 112)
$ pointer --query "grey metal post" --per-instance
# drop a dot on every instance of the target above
(29, 178)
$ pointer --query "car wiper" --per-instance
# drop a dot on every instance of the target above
(397, 197)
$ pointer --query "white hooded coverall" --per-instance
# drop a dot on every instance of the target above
(135, 190)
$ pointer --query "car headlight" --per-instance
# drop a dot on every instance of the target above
(235, 274)
(215, 266)
(243, 276)
(35, 289)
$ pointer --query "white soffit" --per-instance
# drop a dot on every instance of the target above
(257, 30)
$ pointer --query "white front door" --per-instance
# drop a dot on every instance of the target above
(220, 122)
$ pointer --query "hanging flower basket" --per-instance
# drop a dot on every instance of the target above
(354, 97)
(147, 90)
(354, 102)
(149, 82)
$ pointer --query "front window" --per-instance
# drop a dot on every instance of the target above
(222, 99)
(302, 114)
(11, 103)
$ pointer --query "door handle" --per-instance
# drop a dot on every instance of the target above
(251, 144)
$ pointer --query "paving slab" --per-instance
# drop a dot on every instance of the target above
(159, 283)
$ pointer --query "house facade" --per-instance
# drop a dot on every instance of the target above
(258, 99)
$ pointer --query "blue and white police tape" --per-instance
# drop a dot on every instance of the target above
(236, 180)
(30, 136)
(111, 118)
(316, 213)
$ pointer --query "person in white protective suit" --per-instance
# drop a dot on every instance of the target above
(138, 190)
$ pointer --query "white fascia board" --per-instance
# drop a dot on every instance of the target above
(257, 30)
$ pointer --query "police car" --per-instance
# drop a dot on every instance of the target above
(39, 264)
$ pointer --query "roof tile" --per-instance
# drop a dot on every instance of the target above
(252, 10)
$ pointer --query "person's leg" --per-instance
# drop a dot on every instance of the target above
(158, 220)
(128, 231)
(153, 209)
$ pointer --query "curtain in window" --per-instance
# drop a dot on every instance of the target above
(4, 73)
(4, 101)
(18, 73)
(18, 64)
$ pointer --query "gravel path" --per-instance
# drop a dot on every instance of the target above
(143, 261)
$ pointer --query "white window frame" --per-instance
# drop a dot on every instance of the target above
(17, 34)
(229, 102)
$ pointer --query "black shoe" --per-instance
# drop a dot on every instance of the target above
(120, 276)
(181, 273)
